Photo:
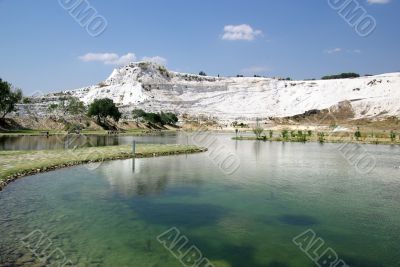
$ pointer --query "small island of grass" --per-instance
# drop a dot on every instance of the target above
(15, 164)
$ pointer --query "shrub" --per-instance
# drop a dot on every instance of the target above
(321, 137)
(341, 76)
(393, 136)
(357, 134)
(301, 137)
(168, 118)
(138, 113)
(75, 106)
(152, 118)
(285, 134)
(52, 107)
(258, 131)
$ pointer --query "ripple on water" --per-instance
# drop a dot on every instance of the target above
(298, 220)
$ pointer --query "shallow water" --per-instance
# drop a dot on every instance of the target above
(72, 141)
(112, 216)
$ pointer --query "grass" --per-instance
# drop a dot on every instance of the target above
(14, 164)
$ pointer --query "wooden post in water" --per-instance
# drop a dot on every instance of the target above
(134, 148)
(134, 154)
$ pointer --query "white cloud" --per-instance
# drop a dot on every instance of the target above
(109, 58)
(256, 70)
(340, 50)
(334, 50)
(378, 1)
(156, 59)
(240, 32)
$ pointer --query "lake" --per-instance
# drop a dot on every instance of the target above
(112, 216)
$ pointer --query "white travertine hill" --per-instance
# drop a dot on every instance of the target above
(154, 88)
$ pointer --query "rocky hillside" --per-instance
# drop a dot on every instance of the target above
(152, 87)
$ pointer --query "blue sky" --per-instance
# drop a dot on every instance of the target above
(43, 47)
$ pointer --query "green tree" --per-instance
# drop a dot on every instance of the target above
(341, 76)
(8, 98)
(137, 114)
(168, 118)
(258, 131)
(202, 73)
(75, 106)
(393, 136)
(357, 134)
(285, 134)
(153, 118)
(103, 108)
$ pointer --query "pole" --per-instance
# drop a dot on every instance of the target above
(134, 148)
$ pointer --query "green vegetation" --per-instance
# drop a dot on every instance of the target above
(202, 73)
(9, 96)
(357, 134)
(392, 136)
(162, 118)
(53, 107)
(341, 76)
(330, 137)
(20, 163)
(75, 106)
(321, 137)
(103, 108)
(258, 131)
(285, 134)
(301, 137)
(271, 133)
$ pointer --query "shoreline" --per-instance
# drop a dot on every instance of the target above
(84, 156)
(84, 133)
(343, 141)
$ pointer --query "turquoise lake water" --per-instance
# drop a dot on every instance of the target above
(112, 216)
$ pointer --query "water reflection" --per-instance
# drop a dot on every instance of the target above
(152, 176)
(73, 141)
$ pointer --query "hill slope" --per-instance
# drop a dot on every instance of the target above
(152, 87)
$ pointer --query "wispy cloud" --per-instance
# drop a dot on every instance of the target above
(109, 58)
(341, 50)
(378, 2)
(333, 51)
(243, 32)
(156, 59)
(255, 70)
(115, 59)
